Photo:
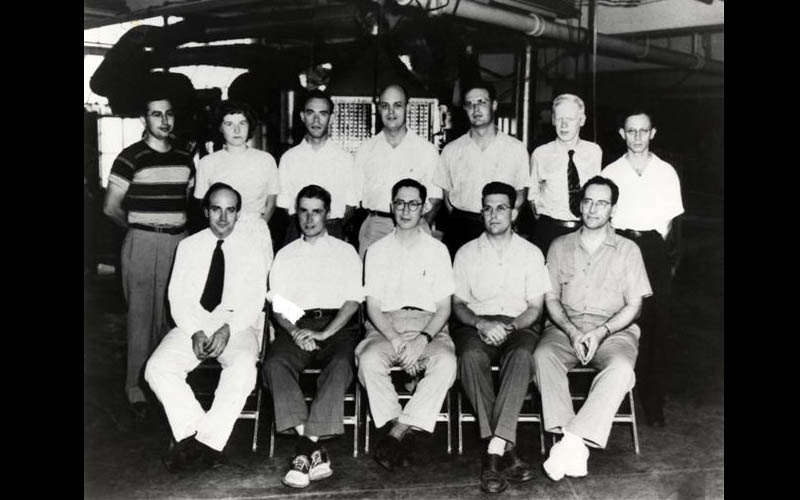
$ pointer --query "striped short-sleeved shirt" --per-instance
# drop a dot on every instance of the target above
(155, 184)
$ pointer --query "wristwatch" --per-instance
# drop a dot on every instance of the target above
(427, 336)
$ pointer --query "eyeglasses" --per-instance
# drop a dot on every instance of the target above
(601, 204)
(499, 209)
(474, 104)
(400, 205)
(635, 132)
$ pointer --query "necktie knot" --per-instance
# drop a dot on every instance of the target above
(570, 153)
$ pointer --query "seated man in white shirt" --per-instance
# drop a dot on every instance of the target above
(216, 293)
(321, 275)
(501, 280)
(408, 284)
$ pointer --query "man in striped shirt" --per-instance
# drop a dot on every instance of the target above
(147, 194)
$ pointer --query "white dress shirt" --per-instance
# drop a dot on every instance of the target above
(379, 167)
(244, 289)
(647, 201)
(324, 274)
(330, 167)
(464, 169)
(491, 284)
(418, 275)
(549, 180)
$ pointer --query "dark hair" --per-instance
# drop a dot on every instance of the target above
(317, 94)
(633, 112)
(217, 186)
(153, 96)
(602, 181)
(231, 107)
(314, 191)
(423, 191)
(479, 84)
(399, 86)
(496, 187)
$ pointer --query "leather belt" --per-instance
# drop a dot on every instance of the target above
(563, 223)
(158, 229)
(634, 233)
(319, 313)
(378, 213)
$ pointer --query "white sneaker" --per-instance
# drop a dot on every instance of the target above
(320, 465)
(297, 476)
(567, 458)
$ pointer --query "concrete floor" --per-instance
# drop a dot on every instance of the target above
(684, 460)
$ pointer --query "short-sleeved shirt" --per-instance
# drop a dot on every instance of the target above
(324, 274)
(598, 284)
(155, 183)
(379, 166)
(419, 275)
(491, 284)
(252, 172)
(464, 169)
(549, 185)
(647, 201)
(330, 167)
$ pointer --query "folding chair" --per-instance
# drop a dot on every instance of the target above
(351, 396)
(442, 416)
(212, 367)
(529, 416)
(621, 417)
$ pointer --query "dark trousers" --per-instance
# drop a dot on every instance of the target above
(334, 226)
(545, 231)
(284, 363)
(461, 227)
(655, 324)
(496, 414)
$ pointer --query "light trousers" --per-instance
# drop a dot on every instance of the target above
(146, 263)
(614, 360)
(375, 357)
(166, 373)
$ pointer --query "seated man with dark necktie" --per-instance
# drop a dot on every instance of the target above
(216, 293)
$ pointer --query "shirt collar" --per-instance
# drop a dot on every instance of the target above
(611, 238)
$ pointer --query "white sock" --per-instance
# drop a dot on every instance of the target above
(497, 446)
(313, 438)
(573, 439)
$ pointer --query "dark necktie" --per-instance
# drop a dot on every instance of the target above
(574, 186)
(212, 293)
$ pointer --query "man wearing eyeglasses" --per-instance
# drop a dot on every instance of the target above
(650, 199)
(598, 282)
(408, 282)
(482, 155)
(392, 154)
(558, 170)
(501, 280)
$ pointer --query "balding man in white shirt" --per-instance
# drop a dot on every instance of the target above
(392, 154)
(408, 284)
(649, 200)
(216, 292)
(321, 275)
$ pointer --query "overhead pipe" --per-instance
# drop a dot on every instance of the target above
(536, 26)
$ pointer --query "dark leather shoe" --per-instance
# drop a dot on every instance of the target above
(387, 452)
(517, 470)
(182, 456)
(405, 456)
(492, 479)
(211, 458)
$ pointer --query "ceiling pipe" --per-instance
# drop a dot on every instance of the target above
(537, 26)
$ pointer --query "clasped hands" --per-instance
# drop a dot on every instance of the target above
(585, 344)
(493, 332)
(409, 347)
(306, 339)
(204, 347)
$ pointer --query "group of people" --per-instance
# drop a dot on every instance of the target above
(440, 311)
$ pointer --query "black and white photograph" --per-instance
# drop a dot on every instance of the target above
(403, 249)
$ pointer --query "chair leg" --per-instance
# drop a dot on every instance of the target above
(634, 428)
(256, 419)
(357, 422)
(460, 424)
(449, 425)
(366, 433)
